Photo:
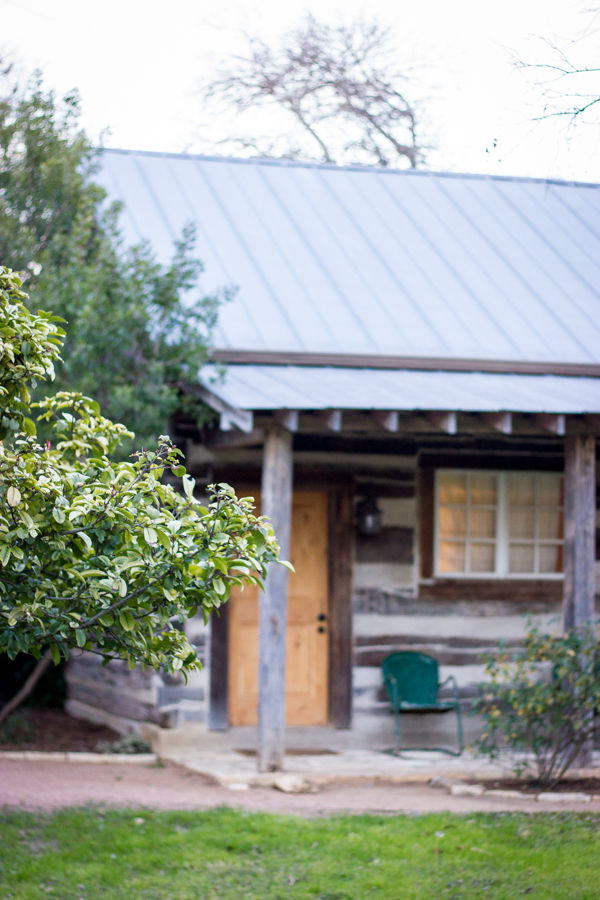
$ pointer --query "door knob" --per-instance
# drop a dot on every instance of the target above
(321, 630)
(321, 617)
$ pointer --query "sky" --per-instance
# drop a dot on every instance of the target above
(137, 65)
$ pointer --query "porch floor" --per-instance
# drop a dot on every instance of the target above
(235, 768)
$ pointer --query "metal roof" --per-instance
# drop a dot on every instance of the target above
(371, 261)
(303, 387)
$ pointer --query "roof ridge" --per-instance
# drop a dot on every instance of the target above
(380, 170)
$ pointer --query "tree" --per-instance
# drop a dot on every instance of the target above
(97, 555)
(55, 226)
(570, 80)
(339, 87)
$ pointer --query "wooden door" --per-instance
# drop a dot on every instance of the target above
(307, 639)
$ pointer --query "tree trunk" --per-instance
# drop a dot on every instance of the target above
(27, 688)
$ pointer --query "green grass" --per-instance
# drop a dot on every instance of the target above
(106, 855)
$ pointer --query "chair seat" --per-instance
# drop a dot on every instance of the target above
(440, 704)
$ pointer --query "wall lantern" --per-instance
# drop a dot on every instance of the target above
(368, 516)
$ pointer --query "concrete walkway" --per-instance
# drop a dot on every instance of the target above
(351, 766)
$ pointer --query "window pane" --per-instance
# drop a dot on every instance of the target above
(550, 524)
(453, 521)
(520, 523)
(451, 557)
(482, 523)
(550, 557)
(483, 490)
(520, 490)
(452, 488)
(549, 490)
(520, 558)
(482, 557)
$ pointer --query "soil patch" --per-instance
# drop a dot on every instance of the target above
(566, 786)
(46, 728)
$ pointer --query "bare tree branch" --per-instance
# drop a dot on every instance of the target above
(339, 88)
(568, 82)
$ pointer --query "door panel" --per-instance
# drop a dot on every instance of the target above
(307, 639)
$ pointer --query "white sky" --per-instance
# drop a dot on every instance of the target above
(136, 64)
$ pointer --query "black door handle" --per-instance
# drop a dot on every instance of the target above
(321, 617)
(321, 630)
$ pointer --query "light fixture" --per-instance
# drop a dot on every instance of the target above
(368, 516)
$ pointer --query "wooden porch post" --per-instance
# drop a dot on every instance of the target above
(579, 552)
(277, 476)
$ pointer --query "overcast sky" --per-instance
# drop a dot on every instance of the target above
(136, 65)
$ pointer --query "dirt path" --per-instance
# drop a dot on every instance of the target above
(51, 785)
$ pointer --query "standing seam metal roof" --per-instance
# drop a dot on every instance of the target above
(377, 261)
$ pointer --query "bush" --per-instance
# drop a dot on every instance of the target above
(128, 743)
(18, 729)
(541, 703)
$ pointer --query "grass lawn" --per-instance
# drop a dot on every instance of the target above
(131, 855)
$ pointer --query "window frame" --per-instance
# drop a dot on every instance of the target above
(502, 540)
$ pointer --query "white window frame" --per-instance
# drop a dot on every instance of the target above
(502, 536)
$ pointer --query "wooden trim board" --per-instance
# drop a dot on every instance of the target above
(341, 545)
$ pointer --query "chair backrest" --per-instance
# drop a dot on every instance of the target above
(416, 674)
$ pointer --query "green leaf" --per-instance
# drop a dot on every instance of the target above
(178, 471)
(55, 653)
(126, 619)
(188, 486)
(80, 637)
(29, 427)
(164, 540)
(221, 564)
(13, 496)
(287, 564)
(150, 536)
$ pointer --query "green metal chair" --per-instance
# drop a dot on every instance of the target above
(412, 685)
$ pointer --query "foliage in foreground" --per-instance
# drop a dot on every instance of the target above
(542, 703)
(149, 855)
(98, 555)
(137, 328)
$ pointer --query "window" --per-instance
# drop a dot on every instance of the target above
(503, 524)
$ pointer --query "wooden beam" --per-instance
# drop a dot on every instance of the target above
(277, 478)
(425, 512)
(287, 418)
(592, 420)
(331, 417)
(579, 549)
(386, 419)
(218, 713)
(341, 546)
(419, 363)
(230, 415)
(234, 438)
(554, 423)
(445, 421)
(499, 421)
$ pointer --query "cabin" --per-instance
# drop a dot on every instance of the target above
(407, 381)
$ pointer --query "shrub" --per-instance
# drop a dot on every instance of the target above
(541, 703)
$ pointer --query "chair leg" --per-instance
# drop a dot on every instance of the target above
(461, 743)
(396, 704)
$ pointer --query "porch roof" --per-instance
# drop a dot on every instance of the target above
(370, 262)
(252, 387)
